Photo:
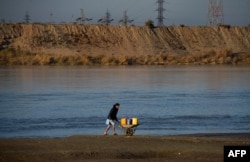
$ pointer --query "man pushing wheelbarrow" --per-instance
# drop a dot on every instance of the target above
(111, 119)
(128, 125)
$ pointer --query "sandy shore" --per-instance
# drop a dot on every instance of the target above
(201, 147)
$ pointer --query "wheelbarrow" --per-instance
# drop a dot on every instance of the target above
(128, 126)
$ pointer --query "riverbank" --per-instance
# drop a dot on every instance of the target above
(201, 147)
(72, 44)
(222, 57)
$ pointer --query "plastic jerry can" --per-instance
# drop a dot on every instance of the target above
(135, 121)
(123, 121)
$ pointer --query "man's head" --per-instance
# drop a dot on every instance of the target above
(117, 105)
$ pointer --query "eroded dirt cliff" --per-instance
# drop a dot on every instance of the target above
(121, 40)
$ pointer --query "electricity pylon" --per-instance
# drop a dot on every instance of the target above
(160, 10)
(215, 12)
(106, 20)
(125, 20)
(82, 19)
(27, 17)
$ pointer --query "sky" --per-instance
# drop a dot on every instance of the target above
(187, 12)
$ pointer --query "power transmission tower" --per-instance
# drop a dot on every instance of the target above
(106, 20)
(51, 17)
(27, 17)
(215, 12)
(160, 10)
(82, 19)
(125, 20)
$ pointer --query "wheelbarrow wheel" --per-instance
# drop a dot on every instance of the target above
(129, 132)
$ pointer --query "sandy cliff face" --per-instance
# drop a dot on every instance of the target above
(98, 39)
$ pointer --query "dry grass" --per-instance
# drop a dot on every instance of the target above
(225, 56)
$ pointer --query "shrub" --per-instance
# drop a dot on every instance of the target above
(182, 25)
(150, 24)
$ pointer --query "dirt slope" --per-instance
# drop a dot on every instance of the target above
(132, 40)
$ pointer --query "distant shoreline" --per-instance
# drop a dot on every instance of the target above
(74, 44)
(200, 147)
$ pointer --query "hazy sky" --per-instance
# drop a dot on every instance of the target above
(188, 12)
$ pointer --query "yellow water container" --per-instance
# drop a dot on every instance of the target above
(134, 121)
(123, 121)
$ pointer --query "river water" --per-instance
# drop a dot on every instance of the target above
(60, 101)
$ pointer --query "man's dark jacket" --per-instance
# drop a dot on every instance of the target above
(113, 113)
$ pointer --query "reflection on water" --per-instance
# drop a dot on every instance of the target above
(62, 101)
